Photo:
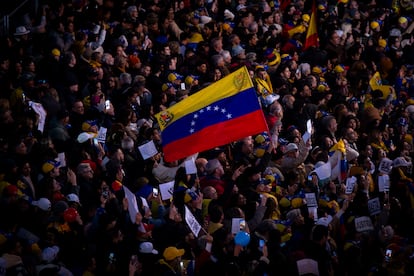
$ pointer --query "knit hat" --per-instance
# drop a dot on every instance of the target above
(237, 50)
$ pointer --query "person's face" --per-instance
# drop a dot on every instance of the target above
(286, 73)
(248, 145)
(78, 108)
(335, 39)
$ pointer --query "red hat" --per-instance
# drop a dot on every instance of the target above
(116, 186)
(70, 214)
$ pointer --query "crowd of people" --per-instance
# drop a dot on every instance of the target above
(327, 190)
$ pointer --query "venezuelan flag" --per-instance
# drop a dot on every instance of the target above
(221, 113)
(312, 38)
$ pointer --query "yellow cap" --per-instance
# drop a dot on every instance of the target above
(339, 69)
(374, 24)
(56, 52)
(382, 43)
(402, 20)
(305, 17)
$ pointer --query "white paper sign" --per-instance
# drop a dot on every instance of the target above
(144, 202)
(167, 190)
(314, 212)
(385, 166)
(311, 199)
(383, 183)
(148, 150)
(309, 126)
(237, 224)
(363, 224)
(324, 171)
(192, 222)
(132, 204)
(62, 159)
(350, 184)
(102, 134)
(41, 112)
(374, 206)
(190, 167)
(306, 136)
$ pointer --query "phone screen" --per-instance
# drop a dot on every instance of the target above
(388, 255)
(261, 244)
(154, 191)
(107, 104)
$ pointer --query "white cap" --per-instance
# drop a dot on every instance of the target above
(73, 198)
(49, 254)
(324, 221)
(83, 137)
(43, 203)
(147, 247)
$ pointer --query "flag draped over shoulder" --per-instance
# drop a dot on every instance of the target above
(312, 38)
(338, 161)
(221, 113)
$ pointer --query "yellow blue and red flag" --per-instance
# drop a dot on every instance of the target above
(221, 113)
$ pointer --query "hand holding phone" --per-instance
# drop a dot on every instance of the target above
(155, 192)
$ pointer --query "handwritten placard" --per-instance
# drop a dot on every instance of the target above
(167, 190)
(350, 184)
(363, 224)
(311, 199)
(383, 183)
(192, 222)
(102, 135)
(385, 166)
(374, 206)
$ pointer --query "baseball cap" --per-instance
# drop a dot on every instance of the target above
(166, 86)
(49, 254)
(88, 124)
(382, 43)
(49, 165)
(174, 76)
(374, 24)
(291, 147)
(147, 248)
(324, 221)
(73, 198)
(84, 136)
(43, 203)
(402, 20)
(170, 253)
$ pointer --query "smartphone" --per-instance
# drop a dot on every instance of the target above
(111, 258)
(155, 192)
(388, 255)
(134, 259)
(310, 178)
(107, 104)
(242, 224)
(182, 266)
(261, 244)
(105, 194)
(95, 142)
